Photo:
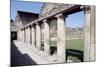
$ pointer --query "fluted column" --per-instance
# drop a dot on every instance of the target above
(38, 37)
(25, 35)
(33, 36)
(18, 36)
(28, 35)
(21, 35)
(61, 54)
(46, 37)
(89, 47)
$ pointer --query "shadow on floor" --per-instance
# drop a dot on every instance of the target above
(69, 52)
(19, 59)
(75, 53)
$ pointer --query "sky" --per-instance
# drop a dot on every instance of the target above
(73, 20)
(33, 7)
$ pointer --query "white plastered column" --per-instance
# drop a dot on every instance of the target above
(89, 47)
(28, 35)
(46, 37)
(33, 36)
(61, 52)
(25, 35)
(21, 33)
(38, 37)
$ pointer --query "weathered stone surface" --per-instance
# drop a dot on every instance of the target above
(89, 47)
(23, 35)
(23, 18)
(61, 54)
(38, 37)
(46, 37)
(51, 8)
(93, 45)
(28, 35)
(33, 36)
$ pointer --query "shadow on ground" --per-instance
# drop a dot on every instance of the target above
(19, 59)
(70, 52)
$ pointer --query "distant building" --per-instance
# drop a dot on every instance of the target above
(22, 19)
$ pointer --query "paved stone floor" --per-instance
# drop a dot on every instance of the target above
(19, 59)
(26, 54)
(21, 52)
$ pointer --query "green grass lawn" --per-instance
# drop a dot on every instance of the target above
(77, 44)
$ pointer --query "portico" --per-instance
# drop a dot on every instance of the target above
(32, 32)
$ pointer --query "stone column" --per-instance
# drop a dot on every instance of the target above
(33, 36)
(61, 53)
(93, 45)
(18, 35)
(28, 35)
(38, 37)
(46, 37)
(21, 35)
(89, 47)
(25, 35)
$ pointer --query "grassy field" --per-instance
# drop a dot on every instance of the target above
(77, 44)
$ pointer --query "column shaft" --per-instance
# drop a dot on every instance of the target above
(28, 33)
(61, 39)
(33, 36)
(38, 37)
(89, 47)
(25, 35)
(93, 52)
(46, 37)
(21, 35)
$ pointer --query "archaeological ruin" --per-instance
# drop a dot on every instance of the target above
(38, 30)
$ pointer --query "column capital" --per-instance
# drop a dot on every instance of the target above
(58, 15)
(87, 9)
(45, 20)
(28, 27)
(37, 23)
(31, 25)
(82, 7)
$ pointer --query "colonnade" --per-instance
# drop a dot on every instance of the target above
(35, 31)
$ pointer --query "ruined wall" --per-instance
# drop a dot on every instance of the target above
(51, 8)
